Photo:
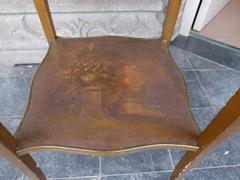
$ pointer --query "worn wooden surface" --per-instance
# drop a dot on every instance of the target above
(108, 94)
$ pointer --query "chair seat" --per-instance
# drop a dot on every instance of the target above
(105, 96)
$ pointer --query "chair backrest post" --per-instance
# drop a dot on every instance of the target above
(170, 19)
(46, 19)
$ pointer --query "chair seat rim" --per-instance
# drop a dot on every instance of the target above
(117, 152)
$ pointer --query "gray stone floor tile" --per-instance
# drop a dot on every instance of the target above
(20, 70)
(29, 75)
(180, 57)
(189, 76)
(209, 49)
(8, 171)
(183, 58)
(155, 160)
(226, 154)
(1, 67)
(198, 62)
(11, 123)
(117, 177)
(62, 165)
(139, 176)
(82, 178)
(220, 85)
(197, 97)
(236, 141)
(68, 178)
(13, 96)
(224, 173)
(196, 94)
(28, 80)
(204, 116)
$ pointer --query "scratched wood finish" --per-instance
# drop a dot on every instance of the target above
(25, 163)
(225, 124)
(108, 95)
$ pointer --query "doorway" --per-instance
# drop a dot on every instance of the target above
(219, 20)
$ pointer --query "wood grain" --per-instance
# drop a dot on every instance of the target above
(170, 19)
(46, 19)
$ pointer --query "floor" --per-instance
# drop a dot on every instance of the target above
(210, 85)
(225, 27)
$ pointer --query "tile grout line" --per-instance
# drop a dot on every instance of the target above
(215, 167)
(100, 168)
(148, 172)
(25, 82)
(107, 175)
(10, 76)
(204, 90)
(233, 144)
(204, 69)
(212, 106)
(227, 68)
(209, 60)
(202, 87)
(70, 178)
(137, 173)
(151, 161)
(205, 107)
(171, 159)
(11, 116)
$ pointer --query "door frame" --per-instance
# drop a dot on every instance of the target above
(189, 14)
(207, 11)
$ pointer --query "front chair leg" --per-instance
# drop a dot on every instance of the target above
(25, 163)
(189, 159)
(225, 124)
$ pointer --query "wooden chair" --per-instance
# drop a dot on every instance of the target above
(109, 96)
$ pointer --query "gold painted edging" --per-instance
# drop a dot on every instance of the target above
(103, 152)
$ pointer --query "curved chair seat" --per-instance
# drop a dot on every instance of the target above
(105, 96)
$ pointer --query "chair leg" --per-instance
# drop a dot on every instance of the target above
(25, 163)
(189, 159)
(225, 124)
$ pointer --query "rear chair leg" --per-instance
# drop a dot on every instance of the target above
(225, 124)
(25, 163)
